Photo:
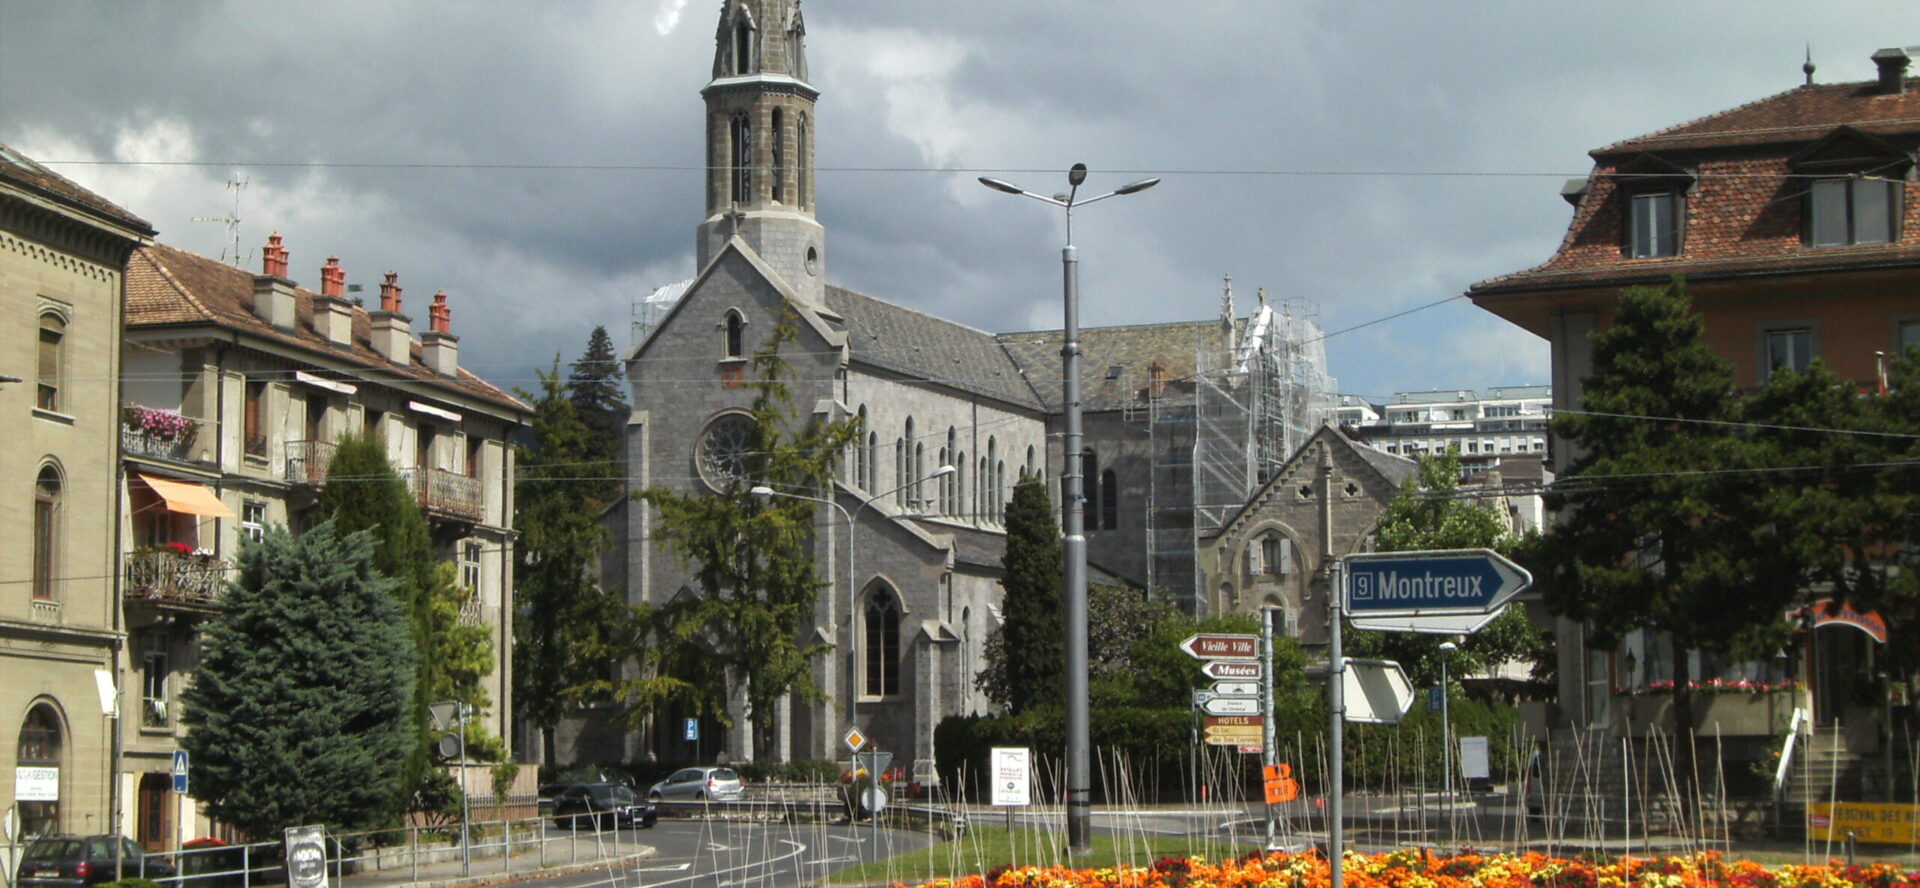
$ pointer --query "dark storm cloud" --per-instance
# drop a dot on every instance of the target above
(1234, 102)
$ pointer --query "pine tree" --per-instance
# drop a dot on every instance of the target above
(560, 643)
(594, 387)
(753, 564)
(299, 707)
(1030, 647)
(1661, 530)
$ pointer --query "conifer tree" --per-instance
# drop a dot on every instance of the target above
(559, 634)
(753, 567)
(599, 400)
(1029, 649)
(299, 710)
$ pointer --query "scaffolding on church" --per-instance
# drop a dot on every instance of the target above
(1259, 389)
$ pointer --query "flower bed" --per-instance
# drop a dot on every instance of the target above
(1420, 869)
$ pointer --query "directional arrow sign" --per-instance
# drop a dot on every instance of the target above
(1431, 624)
(1412, 584)
(1236, 689)
(1222, 647)
(1377, 692)
(1232, 669)
(1234, 735)
(1231, 706)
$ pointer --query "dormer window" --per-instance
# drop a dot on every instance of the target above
(1854, 210)
(1655, 191)
(1856, 189)
(1654, 225)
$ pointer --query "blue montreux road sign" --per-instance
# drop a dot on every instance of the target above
(1453, 581)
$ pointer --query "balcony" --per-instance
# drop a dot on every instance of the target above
(446, 494)
(157, 434)
(171, 577)
(307, 462)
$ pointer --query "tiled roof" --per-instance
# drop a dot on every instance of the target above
(1133, 350)
(898, 339)
(1797, 115)
(166, 286)
(22, 170)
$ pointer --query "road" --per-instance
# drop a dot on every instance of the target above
(743, 854)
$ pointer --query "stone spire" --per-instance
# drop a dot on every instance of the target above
(760, 117)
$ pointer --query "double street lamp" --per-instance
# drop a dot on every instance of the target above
(853, 587)
(1073, 532)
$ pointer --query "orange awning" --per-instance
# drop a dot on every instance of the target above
(188, 497)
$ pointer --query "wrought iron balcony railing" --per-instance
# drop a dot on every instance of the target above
(307, 461)
(168, 576)
(446, 494)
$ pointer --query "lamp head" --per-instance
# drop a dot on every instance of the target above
(1077, 174)
(1135, 187)
(761, 490)
(943, 471)
(1000, 185)
(1449, 646)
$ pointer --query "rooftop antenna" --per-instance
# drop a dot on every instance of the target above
(232, 221)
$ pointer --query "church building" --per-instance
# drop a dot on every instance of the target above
(951, 417)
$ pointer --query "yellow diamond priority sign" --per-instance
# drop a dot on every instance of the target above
(855, 739)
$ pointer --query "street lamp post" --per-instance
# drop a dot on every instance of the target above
(1446, 736)
(1073, 533)
(853, 589)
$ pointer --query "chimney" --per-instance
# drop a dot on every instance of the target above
(438, 346)
(332, 312)
(1893, 70)
(392, 331)
(273, 299)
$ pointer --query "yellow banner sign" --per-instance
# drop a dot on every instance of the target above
(1885, 824)
(1235, 735)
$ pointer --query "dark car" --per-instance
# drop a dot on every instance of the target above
(72, 861)
(602, 806)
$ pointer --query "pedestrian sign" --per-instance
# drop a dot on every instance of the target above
(180, 771)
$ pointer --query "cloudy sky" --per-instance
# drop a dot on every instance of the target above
(538, 161)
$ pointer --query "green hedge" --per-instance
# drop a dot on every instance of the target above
(1153, 745)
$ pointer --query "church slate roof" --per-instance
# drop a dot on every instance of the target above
(167, 286)
(1132, 349)
(900, 340)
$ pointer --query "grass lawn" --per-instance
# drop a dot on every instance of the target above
(987, 846)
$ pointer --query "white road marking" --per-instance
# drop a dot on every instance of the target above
(798, 849)
(676, 868)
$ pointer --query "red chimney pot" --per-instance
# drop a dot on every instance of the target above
(390, 292)
(273, 257)
(333, 278)
(440, 317)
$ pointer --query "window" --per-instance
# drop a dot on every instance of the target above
(53, 335)
(470, 566)
(39, 754)
(742, 160)
(475, 445)
(862, 453)
(1854, 210)
(155, 669)
(46, 532)
(800, 155)
(1790, 349)
(1654, 224)
(779, 156)
(742, 46)
(253, 520)
(1090, 491)
(736, 327)
(872, 457)
(423, 447)
(1109, 500)
(1276, 555)
(1909, 335)
(725, 450)
(254, 420)
(883, 644)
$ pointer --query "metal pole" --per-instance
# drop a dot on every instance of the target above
(1446, 747)
(1336, 730)
(1074, 549)
(1268, 753)
(466, 843)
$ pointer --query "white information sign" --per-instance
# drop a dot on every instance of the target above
(1012, 775)
(1473, 758)
(36, 784)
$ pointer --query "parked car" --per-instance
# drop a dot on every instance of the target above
(603, 806)
(73, 861)
(700, 785)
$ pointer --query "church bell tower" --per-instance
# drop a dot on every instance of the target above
(760, 130)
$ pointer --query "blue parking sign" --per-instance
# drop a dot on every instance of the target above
(693, 729)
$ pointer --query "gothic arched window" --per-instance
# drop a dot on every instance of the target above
(46, 532)
(1089, 490)
(742, 45)
(741, 162)
(800, 156)
(883, 644)
(779, 146)
(736, 327)
(858, 476)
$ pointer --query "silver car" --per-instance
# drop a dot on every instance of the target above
(700, 785)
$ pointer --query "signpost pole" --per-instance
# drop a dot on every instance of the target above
(1336, 731)
(1268, 755)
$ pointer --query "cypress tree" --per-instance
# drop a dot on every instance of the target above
(1032, 640)
(299, 707)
